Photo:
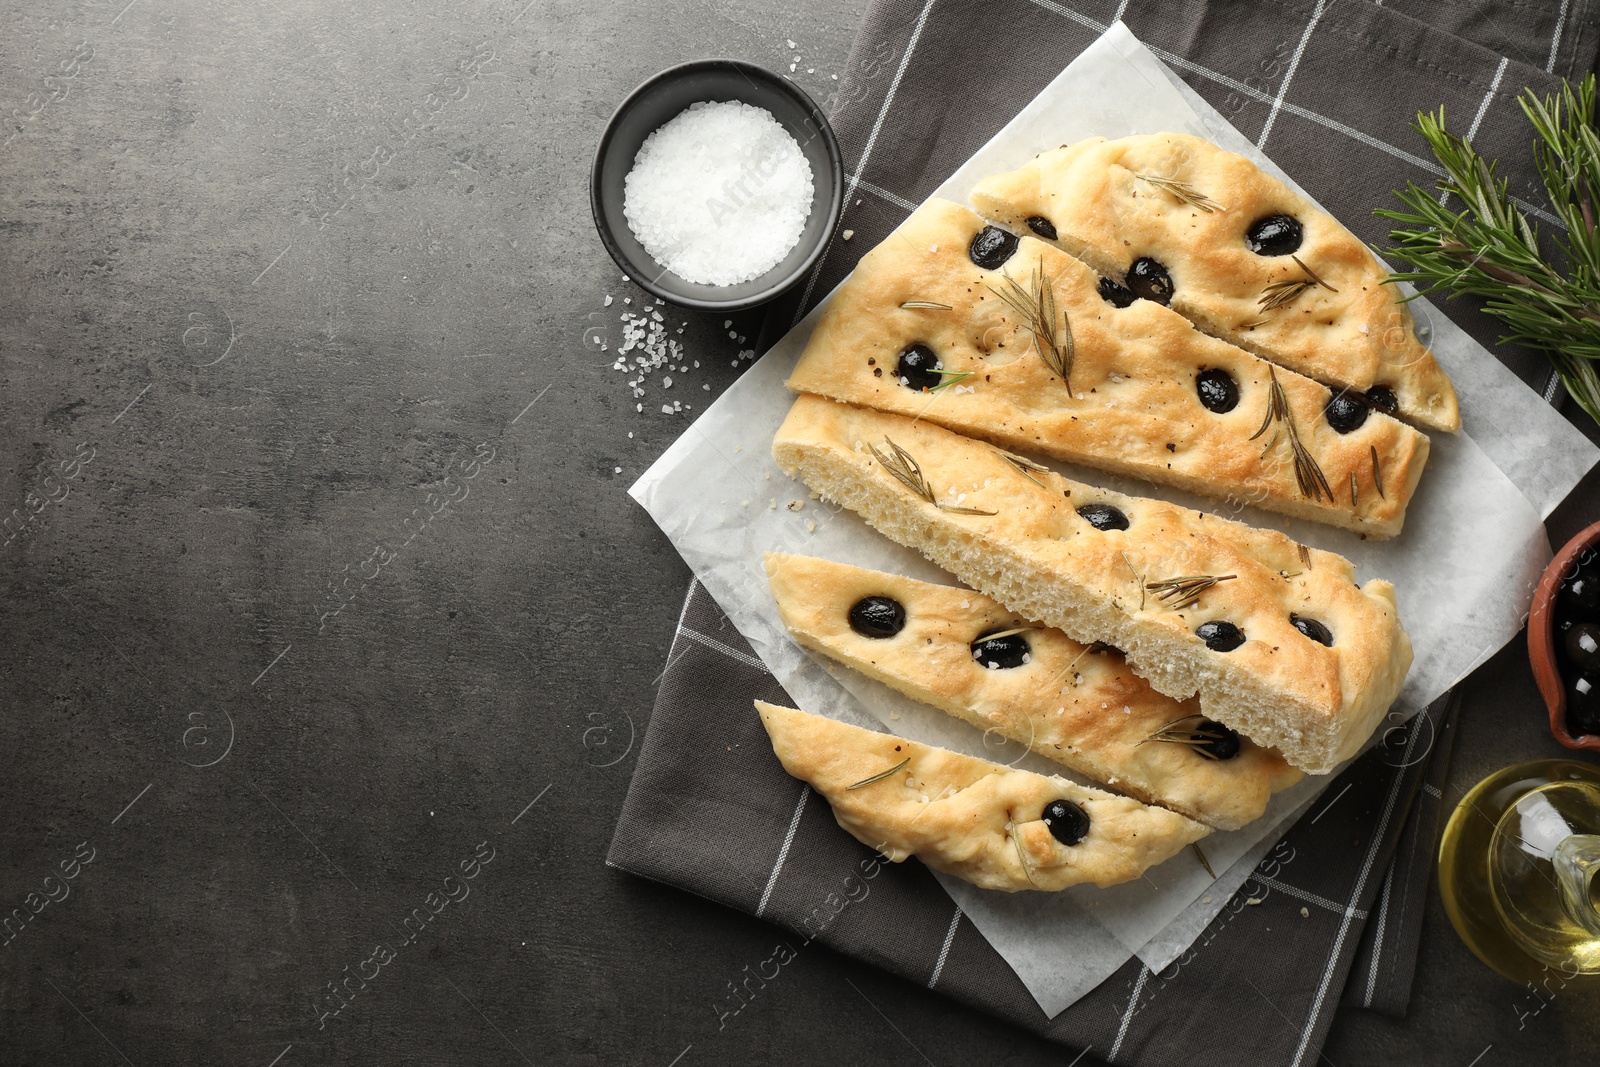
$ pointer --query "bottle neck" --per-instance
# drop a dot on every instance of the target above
(1576, 859)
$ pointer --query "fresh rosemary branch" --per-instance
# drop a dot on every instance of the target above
(1491, 250)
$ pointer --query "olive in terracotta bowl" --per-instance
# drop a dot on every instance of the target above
(1564, 640)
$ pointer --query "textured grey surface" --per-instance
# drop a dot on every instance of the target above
(269, 274)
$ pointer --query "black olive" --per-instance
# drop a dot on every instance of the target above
(1068, 823)
(1226, 744)
(1043, 227)
(992, 247)
(1583, 706)
(1104, 517)
(1346, 411)
(918, 368)
(1581, 592)
(1217, 389)
(877, 616)
(1312, 629)
(1001, 653)
(1149, 279)
(1582, 644)
(1275, 235)
(1383, 398)
(1116, 295)
(1220, 636)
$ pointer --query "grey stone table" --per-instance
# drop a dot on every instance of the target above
(326, 619)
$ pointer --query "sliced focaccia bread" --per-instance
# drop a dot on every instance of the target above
(1276, 638)
(959, 322)
(996, 827)
(1077, 704)
(1174, 218)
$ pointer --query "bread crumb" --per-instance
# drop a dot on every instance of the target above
(1305, 913)
(848, 234)
(1253, 901)
(795, 505)
(811, 526)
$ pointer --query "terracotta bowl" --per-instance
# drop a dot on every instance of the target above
(1542, 637)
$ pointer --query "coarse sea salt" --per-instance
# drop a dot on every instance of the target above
(719, 194)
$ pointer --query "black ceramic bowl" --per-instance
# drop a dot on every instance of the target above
(662, 98)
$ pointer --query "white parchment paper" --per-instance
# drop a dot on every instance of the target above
(1464, 569)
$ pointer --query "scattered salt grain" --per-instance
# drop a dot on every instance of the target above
(608, 300)
(719, 194)
(790, 43)
(849, 234)
(616, 470)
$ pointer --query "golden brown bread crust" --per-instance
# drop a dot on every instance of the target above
(1107, 215)
(1133, 408)
(1078, 705)
(1040, 557)
(968, 817)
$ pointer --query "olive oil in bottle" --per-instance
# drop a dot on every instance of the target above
(1517, 869)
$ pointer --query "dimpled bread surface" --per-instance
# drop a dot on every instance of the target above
(1038, 556)
(1105, 213)
(1133, 407)
(965, 816)
(1079, 705)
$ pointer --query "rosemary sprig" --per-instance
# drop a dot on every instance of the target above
(1198, 736)
(1186, 589)
(1307, 474)
(1285, 290)
(928, 305)
(908, 472)
(1490, 250)
(876, 778)
(1035, 303)
(1183, 191)
(1025, 467)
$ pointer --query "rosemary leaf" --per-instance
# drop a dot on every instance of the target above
(1035, 305)
(908, 472)
(1026, 467)
(1186, 589)
(1377, 473)
(1201, 734)
(951, 377)
(876, 778)
(1183, 191)
(1307, 473)
(928, 305)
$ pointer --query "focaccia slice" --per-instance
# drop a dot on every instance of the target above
(921, 328)
(1077, 704)
(977, 820)
(1173, 216)
(1276, 638)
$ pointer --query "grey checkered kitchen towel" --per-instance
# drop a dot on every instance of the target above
(710, 810)
(1340, 899)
